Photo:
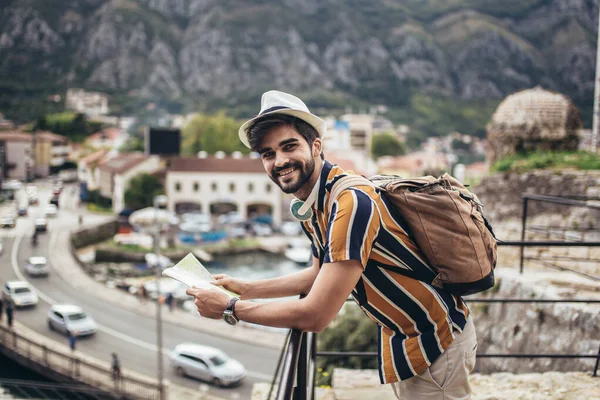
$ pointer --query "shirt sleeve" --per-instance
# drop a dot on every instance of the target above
(352, 228)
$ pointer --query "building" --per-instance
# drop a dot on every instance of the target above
(87, 168)
(415, 164)
(16, 155)
(114, 175)
(220, 184)
(533, 120)
(51, 151)
(111, 138)
(361, 131)
(88, 103)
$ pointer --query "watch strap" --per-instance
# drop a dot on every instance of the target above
(231, 305)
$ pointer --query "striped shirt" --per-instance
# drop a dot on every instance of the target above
(417, 322)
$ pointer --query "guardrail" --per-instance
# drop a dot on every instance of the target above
(75, 369)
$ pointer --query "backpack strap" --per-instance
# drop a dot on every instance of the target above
(345, 183)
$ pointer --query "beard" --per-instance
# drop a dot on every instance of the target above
(306, 170)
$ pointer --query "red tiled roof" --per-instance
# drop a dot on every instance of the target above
(15, 136)
(51, 137)
(93, 157)
(213, 164)
(122, 163)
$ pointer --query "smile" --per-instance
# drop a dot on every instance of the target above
(286, 172)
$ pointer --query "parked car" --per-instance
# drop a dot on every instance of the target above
(290, 228)
(37, 266)
(22, 211)
(41, 224)
(50, 211)
(71, 319)
(33, 201)
(7, 221)
(206, 363)
(21, 293)
(233, 217)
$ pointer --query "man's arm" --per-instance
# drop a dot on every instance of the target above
(289, 285)
(331, 288)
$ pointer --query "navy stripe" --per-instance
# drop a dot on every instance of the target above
(379, 355)
(400, 299)
(455, 316)
(314, 249)
(401, 359)
(389, 242)
(268, 110)
(364, 210)
(324, 174)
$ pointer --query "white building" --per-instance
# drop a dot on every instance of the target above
(115, 174)
(87, 168)
(17, 155)
(89, 103)
(217, 185)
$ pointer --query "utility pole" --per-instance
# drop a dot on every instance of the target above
(596, 121)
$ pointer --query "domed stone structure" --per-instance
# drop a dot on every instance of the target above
(533, 120)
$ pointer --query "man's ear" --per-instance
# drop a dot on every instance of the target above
(317, 147)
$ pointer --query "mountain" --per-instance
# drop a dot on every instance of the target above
(223, 53)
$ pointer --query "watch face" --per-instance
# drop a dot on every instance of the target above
(229, 318)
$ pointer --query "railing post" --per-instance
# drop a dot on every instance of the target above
(45, 354)
(312, 365)
(597, 363)
(300, 392)
(523, 227)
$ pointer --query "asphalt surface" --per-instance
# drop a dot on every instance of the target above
(131, 335)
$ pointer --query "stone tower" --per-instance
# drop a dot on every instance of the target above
(533, 120)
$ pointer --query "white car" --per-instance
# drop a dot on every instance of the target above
(51, 211)
(21, 293)
(37, 266)
(67, 319)
(206, 363)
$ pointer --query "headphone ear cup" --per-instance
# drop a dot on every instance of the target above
(295, 210)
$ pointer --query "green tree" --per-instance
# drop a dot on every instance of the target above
(211, 133)
(350, 331)
(386, 144)
(141, 190)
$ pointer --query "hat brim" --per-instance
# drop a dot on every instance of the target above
(311, 119)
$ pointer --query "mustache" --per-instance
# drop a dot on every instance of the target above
(277, 170)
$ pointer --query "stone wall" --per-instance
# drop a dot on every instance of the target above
(94, 234)
(501, 193)
(530, 328)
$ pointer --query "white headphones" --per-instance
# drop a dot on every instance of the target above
(302, 210)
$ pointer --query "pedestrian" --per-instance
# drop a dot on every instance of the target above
(72, 340)
(170, 300)
(143, 293)
(80, 220)
(359, 248)
(116, 367)
(9, 312)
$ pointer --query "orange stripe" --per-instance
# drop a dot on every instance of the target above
(415, 355)
(428, 300)
(386, 352)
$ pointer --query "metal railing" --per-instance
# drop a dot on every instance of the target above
(573, 201)
(75, 369)
(297, 373)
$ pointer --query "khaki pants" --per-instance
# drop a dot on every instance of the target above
(448, 377)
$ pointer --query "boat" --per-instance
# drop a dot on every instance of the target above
(299, 251)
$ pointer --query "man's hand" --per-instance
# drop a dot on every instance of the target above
(210, 303)
(233, 285)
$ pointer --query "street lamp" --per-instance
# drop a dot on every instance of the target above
(151, 220)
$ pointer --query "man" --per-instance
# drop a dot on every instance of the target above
(427, 339)
(9, 312)
(116, 367)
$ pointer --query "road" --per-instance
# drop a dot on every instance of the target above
(130, 335)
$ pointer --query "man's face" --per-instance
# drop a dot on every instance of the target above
(287, 158)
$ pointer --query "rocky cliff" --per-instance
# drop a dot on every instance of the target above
(230, 50)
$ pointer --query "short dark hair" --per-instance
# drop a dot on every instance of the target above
(259, 128)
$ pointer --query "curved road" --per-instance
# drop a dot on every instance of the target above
(129, 334)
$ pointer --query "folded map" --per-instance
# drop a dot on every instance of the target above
(191, 272)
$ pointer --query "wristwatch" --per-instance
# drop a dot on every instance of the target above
(229, 313)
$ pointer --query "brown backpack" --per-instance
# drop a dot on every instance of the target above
(446, 222)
